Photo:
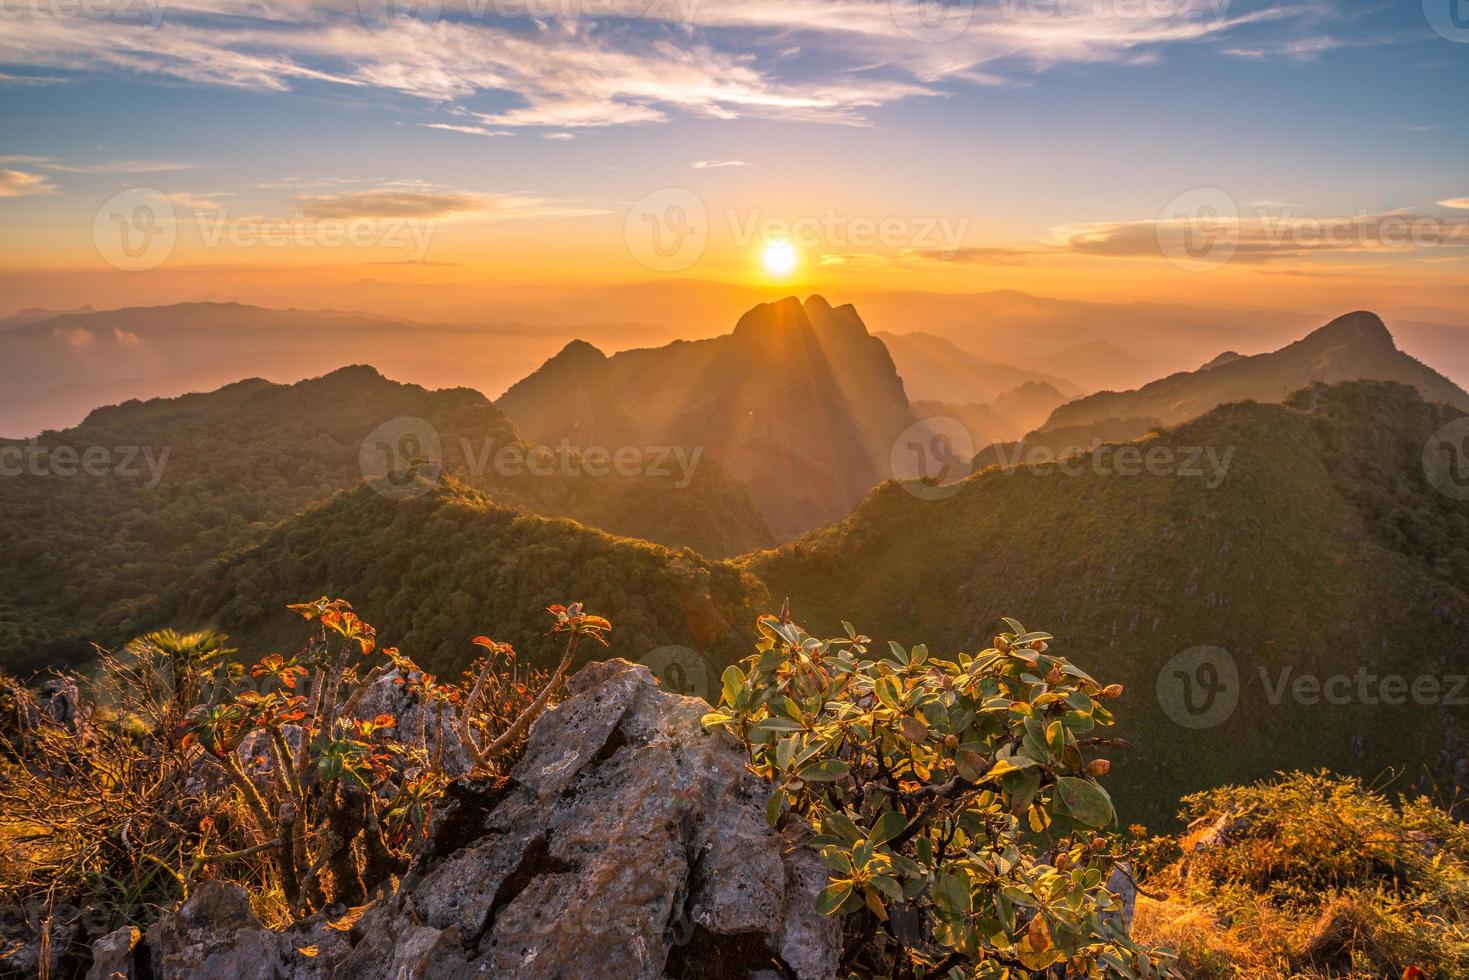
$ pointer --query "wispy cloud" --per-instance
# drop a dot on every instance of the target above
(580, 70)
(213, 201)
(413, 200)
(105, 167)
(717, 164)
(1265, 237)
(18, 183)
(979, 255)
(1455, 202)
(470, 130)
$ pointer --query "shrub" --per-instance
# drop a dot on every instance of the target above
(955, 802)
(176, 762)
(1314, 875)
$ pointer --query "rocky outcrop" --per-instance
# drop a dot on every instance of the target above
(628, 842)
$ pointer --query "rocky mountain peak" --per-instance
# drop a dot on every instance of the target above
(1360, 328)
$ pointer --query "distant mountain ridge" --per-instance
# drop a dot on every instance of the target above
(55, 369)
(799, 401)
(936, 369)
(1352, 347)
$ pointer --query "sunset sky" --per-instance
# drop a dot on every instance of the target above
(989, 144)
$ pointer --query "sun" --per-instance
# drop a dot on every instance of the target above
(779, 258)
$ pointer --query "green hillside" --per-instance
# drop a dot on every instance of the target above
(176, 482)
(435, 570)
(1321, 548)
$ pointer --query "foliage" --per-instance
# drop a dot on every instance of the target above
(955, 801)
(88, 556)
(177, 761)
(428, 569)
(1285, 564)
(1314, 875)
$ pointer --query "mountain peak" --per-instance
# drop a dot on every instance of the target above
(356, 373)
(1360, 327)
(769, 319)
(842, 321)
(578, 352)
(1228, 357)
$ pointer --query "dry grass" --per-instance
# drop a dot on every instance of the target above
(1313, 876)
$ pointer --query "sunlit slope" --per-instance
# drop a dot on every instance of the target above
(1322, 549)
(178, 481)
(433, 571)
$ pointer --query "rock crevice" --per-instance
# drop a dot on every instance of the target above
(628, 842)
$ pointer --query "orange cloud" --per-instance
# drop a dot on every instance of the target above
(18, 183)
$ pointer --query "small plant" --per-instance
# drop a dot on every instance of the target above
(955, 802)
(175, 762)
(351, 796)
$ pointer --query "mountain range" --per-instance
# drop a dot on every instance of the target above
(103, 518)
(1351, 347)
(799, 401)
(1273, 506)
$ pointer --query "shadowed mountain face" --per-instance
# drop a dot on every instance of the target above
(101, 519)
(799, 402)
(1349, 348)
(1301, 537)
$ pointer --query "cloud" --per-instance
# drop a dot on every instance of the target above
(471, 130)
(979, 255)
(558, 137)
(1455, 202)
(389, 203)
(1264, 237)
(827, 61)
(7, 78)
(422, 202)
(967, 254)
(199, 202)
(18, 183)
(107, 167)
(74, 337)
(717, 164)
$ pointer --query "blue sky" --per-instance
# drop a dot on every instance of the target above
(1030, 118)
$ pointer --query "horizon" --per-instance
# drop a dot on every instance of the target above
(1208, 153)
(552, 488)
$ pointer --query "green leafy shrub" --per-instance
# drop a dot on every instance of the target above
(955, 801)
